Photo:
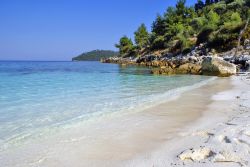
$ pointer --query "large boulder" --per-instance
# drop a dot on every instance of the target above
(216, 66)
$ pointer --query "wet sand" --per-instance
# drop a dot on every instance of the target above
(126, 140)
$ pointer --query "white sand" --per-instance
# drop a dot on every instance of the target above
(204, 127)
(221, 138)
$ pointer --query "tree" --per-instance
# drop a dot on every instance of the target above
(142, 37)
(208, 2)
(198, 23)
(199, 5)
(242, 32)
(234, 21)
(247, 3)
(213, 18)
(158, 25)
(157, 41)
(125, 46)
(177, 19)
(215, 22)
(220, 8)
(157, 36)
(181, 8)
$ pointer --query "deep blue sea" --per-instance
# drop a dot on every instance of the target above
(35, 96)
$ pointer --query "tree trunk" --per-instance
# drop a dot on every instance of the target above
(240, 36)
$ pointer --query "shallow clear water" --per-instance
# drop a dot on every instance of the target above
(35, 96)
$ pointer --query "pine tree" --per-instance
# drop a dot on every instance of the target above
(142, 37)
(199, 5)
(125, 46)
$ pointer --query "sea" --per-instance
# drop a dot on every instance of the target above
(38, 97)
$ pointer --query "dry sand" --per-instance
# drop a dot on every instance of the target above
(220, 138)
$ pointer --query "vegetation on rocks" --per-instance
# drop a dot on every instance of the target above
(217, 23)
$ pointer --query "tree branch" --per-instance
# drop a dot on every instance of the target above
(240, 36)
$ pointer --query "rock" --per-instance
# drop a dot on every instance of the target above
(196, 154)
(247, 44)
(228, 58)
(216, 66)
(183, 69)
(240, 48)
(248, 64)
(143, 63)
(189, 68)
(192, 59)
(163, 70)
(196, 69)
(213, 51)
(228, 157)
(247, 47)
(171, 64)
(156, 71)
(243, 61)
(223, 139)
(146, 58)
(204, 134)
(245, 53)
(246, 57)
(155, 63)
(163, 67)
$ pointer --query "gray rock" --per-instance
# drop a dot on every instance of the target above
(246, 53)
(228, 58)
(216, 66)
(247, 44)
(247, 65)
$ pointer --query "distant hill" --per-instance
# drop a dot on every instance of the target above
(95, 55)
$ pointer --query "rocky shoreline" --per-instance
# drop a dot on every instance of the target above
(200, 61)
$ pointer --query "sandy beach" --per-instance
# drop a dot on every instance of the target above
(207, 126)
(220, 137)
(125, 83)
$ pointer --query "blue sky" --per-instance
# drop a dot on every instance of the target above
(61, 29)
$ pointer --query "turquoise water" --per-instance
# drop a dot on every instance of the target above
(44, 95)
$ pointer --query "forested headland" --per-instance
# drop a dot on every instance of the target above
(216, 23)
(95, 55)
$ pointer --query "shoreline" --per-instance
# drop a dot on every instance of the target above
(118, 141)
(218, 138)
(153, 137)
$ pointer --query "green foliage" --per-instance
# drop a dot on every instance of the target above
(208, 24)
(182, 42)
(198, 23)
(199, 5)
(220, 7)
(234, 5)
(142, 37)
(95, 55)
(215, 22)
(213, 18)
(158, 25)
(225, 39)
(234, 21)
(126, 47)
(204, 35)
(157, 41)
